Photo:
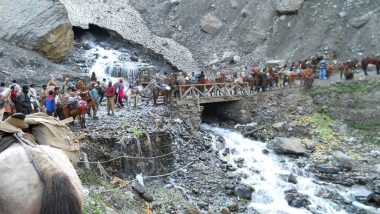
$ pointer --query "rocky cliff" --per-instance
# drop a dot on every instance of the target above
(254, 31)
(40, 25)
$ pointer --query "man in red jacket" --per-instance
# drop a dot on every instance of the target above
(110, 94)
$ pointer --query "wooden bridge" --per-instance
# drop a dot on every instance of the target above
(212, 93)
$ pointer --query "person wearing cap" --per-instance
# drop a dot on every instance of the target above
(23, 101)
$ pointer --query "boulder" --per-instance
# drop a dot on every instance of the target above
(360, 21)
(225, 211)
(327, 168)
(292, 179)
(211, 24)
(232, 206)
(291, 146)
(343, 160)
(374, 199)
(244, 191)
(40, 25)
(288, 7)
(278, 126)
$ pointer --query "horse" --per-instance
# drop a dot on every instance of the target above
(37, 179)
(374, 60)
(315, 61)
(79, 112)
(131, 93)
(160, 90)
(349, 68)
(261, 81)
(331, 69)
(302, 75)
(204, 84)
(91, 104)
(251, 82)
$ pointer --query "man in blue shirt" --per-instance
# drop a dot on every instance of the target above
(322, 69)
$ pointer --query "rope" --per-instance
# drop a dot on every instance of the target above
(187, 165)
(135, 157)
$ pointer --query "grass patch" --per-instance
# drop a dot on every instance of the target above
(356, 87)
(90, 178)
(95, 204)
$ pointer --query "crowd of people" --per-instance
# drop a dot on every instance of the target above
(50, 98)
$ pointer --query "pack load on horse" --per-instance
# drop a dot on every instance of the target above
(373, 60)
(349, 68)
(72, 105)
(158, 89)
(35, 178)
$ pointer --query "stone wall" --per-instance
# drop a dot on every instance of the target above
(190, 113)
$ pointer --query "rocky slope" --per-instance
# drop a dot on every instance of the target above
(260, 30)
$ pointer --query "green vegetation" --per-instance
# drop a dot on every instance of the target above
(136, 132)
(356, 88)
(87, 177)
(95, 204)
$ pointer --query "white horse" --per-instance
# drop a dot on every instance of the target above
(131, 93)
(5, 95)
(37, 180)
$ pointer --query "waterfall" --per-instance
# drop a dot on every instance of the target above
(267, 173)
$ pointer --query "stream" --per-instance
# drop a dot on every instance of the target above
(268, 174)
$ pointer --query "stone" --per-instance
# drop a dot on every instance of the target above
(344, 160)
(203, 205)
(296, 199)
(289, 146)
(232, 206)
(342, 14)
(292, 179)
(359, 22)
(134, 58)
(211, 24)
(244, 191)
(40, 25)
(225, 211)
(278, 126)
(327, 168)
(236, 59)
(374, 199)
(228, 56)
(288, 7)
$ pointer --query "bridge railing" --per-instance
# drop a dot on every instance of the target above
(198, 91)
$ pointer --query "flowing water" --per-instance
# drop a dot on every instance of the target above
(111, 64)
(268, 174)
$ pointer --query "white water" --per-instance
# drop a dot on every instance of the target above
(268, 175)
(111, 64)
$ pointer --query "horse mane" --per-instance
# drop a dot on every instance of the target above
(60, 196)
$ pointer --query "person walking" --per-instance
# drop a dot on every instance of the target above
(23, 101)
(95, 96)
(110, 94)
(50, 103)
(322, 69)
(102, 90)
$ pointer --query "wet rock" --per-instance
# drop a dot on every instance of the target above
(40, 25)
(244, 191)
(296, 199)
(289, 146)
(211, 24)
(374, 199)
(327, 168)
(344, 160)
(134, 58)
(265, 151)
(232, 206)
(288, 7)
(292, 179)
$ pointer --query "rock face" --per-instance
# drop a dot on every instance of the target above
(40, 25)
(211, 24)
(289, 146)
(243, 191)
(288, 6)
(119, 16)
(256, 31)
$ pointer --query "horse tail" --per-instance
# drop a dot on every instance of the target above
(60, 196)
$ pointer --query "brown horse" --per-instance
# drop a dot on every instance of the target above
(76, 112)
(91, 104)
(205, 84)
(374, 60)
(349, 68)
(302, 75)
(331, 69)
